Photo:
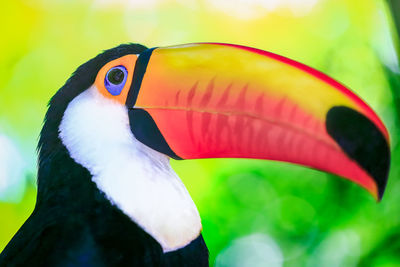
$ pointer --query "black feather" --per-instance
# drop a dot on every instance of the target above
(73, 223)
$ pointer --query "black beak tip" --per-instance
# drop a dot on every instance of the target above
(362, 141)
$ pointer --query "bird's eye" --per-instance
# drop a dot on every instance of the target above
(115, 79)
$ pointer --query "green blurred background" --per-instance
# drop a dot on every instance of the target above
(254, 213)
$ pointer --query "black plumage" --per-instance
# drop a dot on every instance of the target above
(73, 223)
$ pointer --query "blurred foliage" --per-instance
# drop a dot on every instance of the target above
(295, 216)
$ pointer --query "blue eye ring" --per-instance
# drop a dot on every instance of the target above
(115, 79)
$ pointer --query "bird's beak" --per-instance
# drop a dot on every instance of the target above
(213, 100)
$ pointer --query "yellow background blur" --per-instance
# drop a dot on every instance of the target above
(254, 212)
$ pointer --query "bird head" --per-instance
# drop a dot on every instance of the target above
(123, 114)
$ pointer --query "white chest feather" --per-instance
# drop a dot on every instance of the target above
(136, 178)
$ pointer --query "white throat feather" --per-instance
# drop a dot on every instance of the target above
(136, 178)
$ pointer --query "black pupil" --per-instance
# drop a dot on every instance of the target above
(115, 76)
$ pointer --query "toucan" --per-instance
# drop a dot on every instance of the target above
(107, 195)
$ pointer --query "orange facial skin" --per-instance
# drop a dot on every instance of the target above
(210, 100)
(128, 62)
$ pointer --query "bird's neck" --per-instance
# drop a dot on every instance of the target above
(63, 184)
(95, 134)
(146, 188)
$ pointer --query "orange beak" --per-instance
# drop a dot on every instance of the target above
(212, 100)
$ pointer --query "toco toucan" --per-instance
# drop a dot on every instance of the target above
(107, 195)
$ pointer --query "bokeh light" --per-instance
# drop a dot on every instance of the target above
(12, 184)
(252, 211)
